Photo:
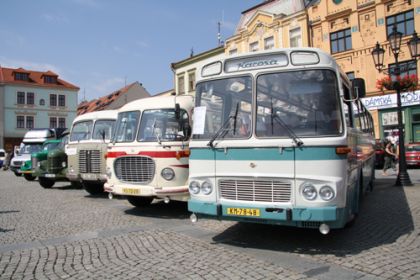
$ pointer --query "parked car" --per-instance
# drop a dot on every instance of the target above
(2, 157)
(379, 154)
(412, 154)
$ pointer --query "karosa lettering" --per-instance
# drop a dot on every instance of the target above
(257, 63)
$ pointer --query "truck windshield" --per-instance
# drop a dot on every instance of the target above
(81, 131)
(306, 101)
(50, 146)
(162, 125)
(127, 123)
(103, 129)
(30, 148)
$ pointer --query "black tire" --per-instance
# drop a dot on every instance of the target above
(140, 201)
(29, 177)
(46, 183)
(76, 185)
(17, 174)
(94, 188)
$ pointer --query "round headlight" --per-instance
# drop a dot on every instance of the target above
(327, 193)
(309, 192)
(64, 164)
(38, 164)
(194, 187)
(167, 174)
(206, 187)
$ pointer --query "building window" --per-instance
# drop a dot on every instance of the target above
(295, 38)
(62, 122)
(53, 100)
(29, 122)
(21, 76)
(20, 122)
(407, 68)
(269, 43)
(30, 98)
(20, 97)
(181, 85)
(403, 21)
(191, 81)
(42, 102)
(350, 75)
(62, 100)
(50, 79)
(53, 122)
(253, 47)
(233, 51)
(340, 41)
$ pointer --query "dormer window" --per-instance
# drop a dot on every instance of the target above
(21, 76)
(50, 79)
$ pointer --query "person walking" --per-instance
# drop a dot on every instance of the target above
(390, 155)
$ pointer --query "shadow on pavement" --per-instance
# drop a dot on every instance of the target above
(159, 209)
(384, 217)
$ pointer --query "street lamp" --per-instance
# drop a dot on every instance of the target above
(394, 39)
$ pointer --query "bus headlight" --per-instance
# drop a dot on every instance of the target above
(194, 187)
(326, 193)
(206, 187)
(309, 191)
(108, 172)
(167, 174)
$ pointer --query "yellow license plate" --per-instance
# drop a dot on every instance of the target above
(130, 191)
(243, 212)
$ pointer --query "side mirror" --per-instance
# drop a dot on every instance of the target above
(358, 88)
(187, 130)
(177, 111)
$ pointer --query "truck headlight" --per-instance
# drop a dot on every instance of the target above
(167, 173)
(309, 191)
(206, 187)
(194, 187)
(63, 164)
(326, 193)
(38, 164)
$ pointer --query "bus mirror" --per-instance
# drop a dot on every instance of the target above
(177, 111)
(358, 88)
(187, 130)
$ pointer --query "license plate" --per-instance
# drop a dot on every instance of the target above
(243, 212)
(50, 175)
(130, 191)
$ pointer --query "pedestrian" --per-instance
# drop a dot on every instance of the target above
(389, 157)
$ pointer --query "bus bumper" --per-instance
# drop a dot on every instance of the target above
(299, 217)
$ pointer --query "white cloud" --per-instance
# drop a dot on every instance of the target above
(29, 65)
(54, 18)
(142, 44)
(101, 87)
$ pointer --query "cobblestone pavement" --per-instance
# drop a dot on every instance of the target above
(64, 233)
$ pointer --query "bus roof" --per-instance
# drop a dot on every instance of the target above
(159, 102)
(97, 115)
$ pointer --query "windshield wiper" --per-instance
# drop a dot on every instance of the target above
(223, 130)
(292, 134)
(156, 135)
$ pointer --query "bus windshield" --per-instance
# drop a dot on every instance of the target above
(306, 102)
(127, 123)
(103, 129)
(81, 131)
(228, 105)
(162, 125)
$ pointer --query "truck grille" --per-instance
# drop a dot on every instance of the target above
(135, 169)
(90, 161)
(255, 190)
(54, 164)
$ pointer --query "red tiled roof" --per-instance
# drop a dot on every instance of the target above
(102, 102)
(7, 76)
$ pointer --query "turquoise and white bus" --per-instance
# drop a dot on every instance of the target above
(280, 137)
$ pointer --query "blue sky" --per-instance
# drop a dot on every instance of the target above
(99, 45)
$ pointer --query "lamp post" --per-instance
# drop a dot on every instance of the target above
(394, 39)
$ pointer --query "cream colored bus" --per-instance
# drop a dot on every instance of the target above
(88, 141)
(148, 155)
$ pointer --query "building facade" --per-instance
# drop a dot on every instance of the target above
(32, 99)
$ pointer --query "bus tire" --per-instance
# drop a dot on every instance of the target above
(140, 201)
(17, 174)
(29, 177)
(46, 183)
(93, 188)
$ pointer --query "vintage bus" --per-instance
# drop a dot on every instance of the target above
(87, 145)
(280, 137)
(148, 155)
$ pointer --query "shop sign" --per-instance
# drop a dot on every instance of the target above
(390, 100)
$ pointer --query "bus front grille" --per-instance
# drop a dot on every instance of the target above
(255, 190)
(90, 161)
(135, 169)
